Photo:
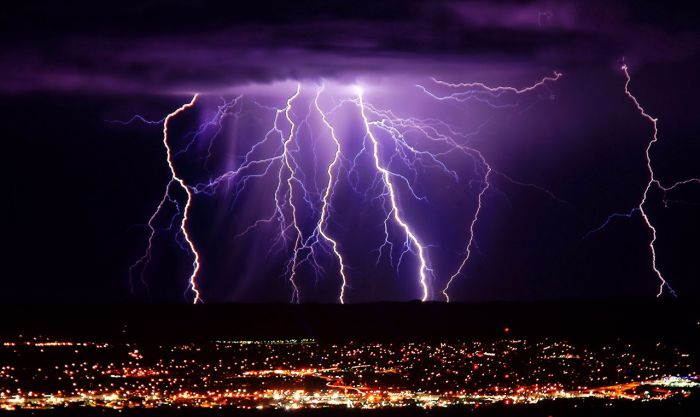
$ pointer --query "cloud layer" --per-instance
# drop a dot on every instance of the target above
(175, 46)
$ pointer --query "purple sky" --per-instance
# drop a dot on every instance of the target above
(84, 186)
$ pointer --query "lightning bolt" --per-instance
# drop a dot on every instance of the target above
(488, 95)
(326, 196)
(298, 244)
(651, 183)
(386, 176)
(472, 225)
(174, 178)
(482, 92)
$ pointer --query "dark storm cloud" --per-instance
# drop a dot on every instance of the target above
(177, 46)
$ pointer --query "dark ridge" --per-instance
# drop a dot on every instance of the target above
(670, 320)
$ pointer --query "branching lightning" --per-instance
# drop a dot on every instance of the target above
(387, 178)
(401, 151)
(485, 94)
(174, 178)
(322, 222)
(651, 183)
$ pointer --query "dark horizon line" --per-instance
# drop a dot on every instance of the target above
(604, 300)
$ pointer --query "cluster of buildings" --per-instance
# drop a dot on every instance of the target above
(39, 374)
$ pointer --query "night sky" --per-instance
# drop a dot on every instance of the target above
(80, 184)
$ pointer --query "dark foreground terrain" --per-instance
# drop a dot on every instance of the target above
(670, 320)
(385, 359)
(686, 408)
